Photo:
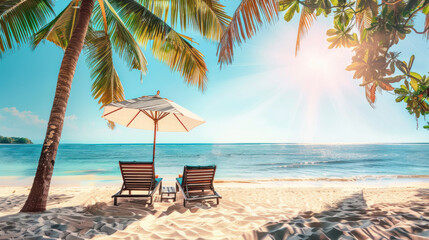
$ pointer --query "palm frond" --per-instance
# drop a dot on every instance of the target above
(248, 17)
(59, 30)
(122, 40)
(106, 86)
(206, 16)
(158, 7)
(167, 45)
(20, 19)
(103, 12)
(305, 21)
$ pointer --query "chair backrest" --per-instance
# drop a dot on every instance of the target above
(198, 177)
(138, 175)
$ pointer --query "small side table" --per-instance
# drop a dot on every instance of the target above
(167, 190)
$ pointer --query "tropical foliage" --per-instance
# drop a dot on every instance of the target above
(415, 90)
(19, 19)
(117, 27)
(249, 16)
(15, 140)
(370, 27)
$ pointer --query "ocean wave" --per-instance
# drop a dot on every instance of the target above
(85, 172)
(328, 179)
(368, 161)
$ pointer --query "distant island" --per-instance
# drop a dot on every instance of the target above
(15, 140)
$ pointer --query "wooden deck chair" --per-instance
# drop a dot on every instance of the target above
(196, 180)
(138, 176)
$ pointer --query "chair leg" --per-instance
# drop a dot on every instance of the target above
(115, 201)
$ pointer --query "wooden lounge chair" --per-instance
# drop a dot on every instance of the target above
(195, 180)
(138, 176)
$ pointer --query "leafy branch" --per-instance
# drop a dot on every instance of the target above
(371, 29)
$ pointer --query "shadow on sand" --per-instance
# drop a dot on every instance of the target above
(78, 222)
(353, 219)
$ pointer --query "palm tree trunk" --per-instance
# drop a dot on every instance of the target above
(37, 199)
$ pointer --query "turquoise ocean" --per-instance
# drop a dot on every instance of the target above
(234, 161)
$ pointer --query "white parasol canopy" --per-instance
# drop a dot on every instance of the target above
(152, 113)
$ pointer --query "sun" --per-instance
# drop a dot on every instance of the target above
(314, 79)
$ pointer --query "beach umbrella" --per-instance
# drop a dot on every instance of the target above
(152, 113)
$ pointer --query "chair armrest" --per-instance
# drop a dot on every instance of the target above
(179, 180)
(157, 184)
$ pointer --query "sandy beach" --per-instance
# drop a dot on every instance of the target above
(284, 210)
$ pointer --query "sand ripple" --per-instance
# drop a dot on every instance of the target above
(353, 219)
(244, 213)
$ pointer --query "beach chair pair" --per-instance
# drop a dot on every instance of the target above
(196, 182)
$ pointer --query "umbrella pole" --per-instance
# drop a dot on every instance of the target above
(154, 139)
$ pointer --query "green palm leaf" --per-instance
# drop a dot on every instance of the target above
(20, 19)
(158, 7)
(206, 16)
(248, 17)
(167, 45)
(60, 28)
(106, 85)
(122, 40)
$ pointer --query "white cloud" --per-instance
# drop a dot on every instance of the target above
(70, 117)
(69, 121)
(26, 116)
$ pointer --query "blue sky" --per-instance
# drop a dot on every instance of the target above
(266, 95)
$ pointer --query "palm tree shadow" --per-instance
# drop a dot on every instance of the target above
(84, 222)
(15, 202)
(353, 219)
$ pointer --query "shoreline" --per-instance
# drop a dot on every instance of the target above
(352, 182)
(99, 180)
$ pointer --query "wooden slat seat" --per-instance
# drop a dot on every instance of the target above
(138, 176)
(195, 180)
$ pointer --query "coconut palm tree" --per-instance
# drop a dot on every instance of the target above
(105, 26)
(123, 25)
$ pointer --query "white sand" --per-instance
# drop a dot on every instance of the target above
(284, 210)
